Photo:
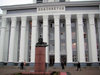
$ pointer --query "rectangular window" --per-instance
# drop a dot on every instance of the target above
(39, 1)
(22, 11)
(82, 8)
(62, 0)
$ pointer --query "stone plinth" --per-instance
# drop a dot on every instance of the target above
(35, 73)
(40, 59)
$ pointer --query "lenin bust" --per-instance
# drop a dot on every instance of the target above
(40, 42)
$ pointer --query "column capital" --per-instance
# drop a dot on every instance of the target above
(45, 16)
(79, 15)
(23, 17)
(13, 22)
(34, 21)
(56, 16)
(56, 20)
(68, 16)
(91, 15)
(13, 18)
(79, 19)
(4, 20)
(3, 17)
(34, 17)
(68, 19)
(91, 19)
(45, 20)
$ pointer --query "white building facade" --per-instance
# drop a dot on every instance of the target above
(71, 30)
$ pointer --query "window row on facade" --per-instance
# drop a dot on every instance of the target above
(43, 1)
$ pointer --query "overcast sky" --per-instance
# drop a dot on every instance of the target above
(16, 2)
(13, 2)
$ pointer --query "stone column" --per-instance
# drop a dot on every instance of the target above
(12, 40)
(26, 42)
(45, 1)
(2, 38)
(68, 38)
(16, 50)
(98, 26)
(22, 39)
(50, 0)
(92, 39)
(80, 38)
(34, 38)
(7, 40)
(57, 39)
(0, 27)
(67, 0)
(56, 0)
(45, 34)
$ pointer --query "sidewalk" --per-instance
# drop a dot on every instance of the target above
(6, 70)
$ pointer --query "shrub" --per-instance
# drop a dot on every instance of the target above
(55, 73)
(18, 74)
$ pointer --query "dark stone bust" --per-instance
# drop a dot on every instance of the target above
(40, 42)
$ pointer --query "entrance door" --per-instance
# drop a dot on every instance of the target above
(63, 58)
(51, 59)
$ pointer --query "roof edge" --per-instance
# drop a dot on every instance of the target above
(34, 5)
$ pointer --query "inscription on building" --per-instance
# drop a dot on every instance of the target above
(51, 8)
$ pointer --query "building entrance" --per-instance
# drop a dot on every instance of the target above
(51, 59)
(63, 58)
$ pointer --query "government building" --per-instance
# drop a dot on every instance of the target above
(71, 30)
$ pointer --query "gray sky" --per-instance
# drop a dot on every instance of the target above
(15, 2)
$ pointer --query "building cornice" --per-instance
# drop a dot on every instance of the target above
(27, 6)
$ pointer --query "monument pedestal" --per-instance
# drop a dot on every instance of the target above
(39, 63)
(36, 73)
(40, 59)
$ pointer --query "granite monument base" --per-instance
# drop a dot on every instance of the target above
(40, 65)
(36, 73)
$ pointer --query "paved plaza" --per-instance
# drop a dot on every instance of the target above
(9, 70)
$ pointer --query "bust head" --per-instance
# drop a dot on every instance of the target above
(40, 40)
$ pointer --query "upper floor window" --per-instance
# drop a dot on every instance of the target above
(39, 1)
(62, 0)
